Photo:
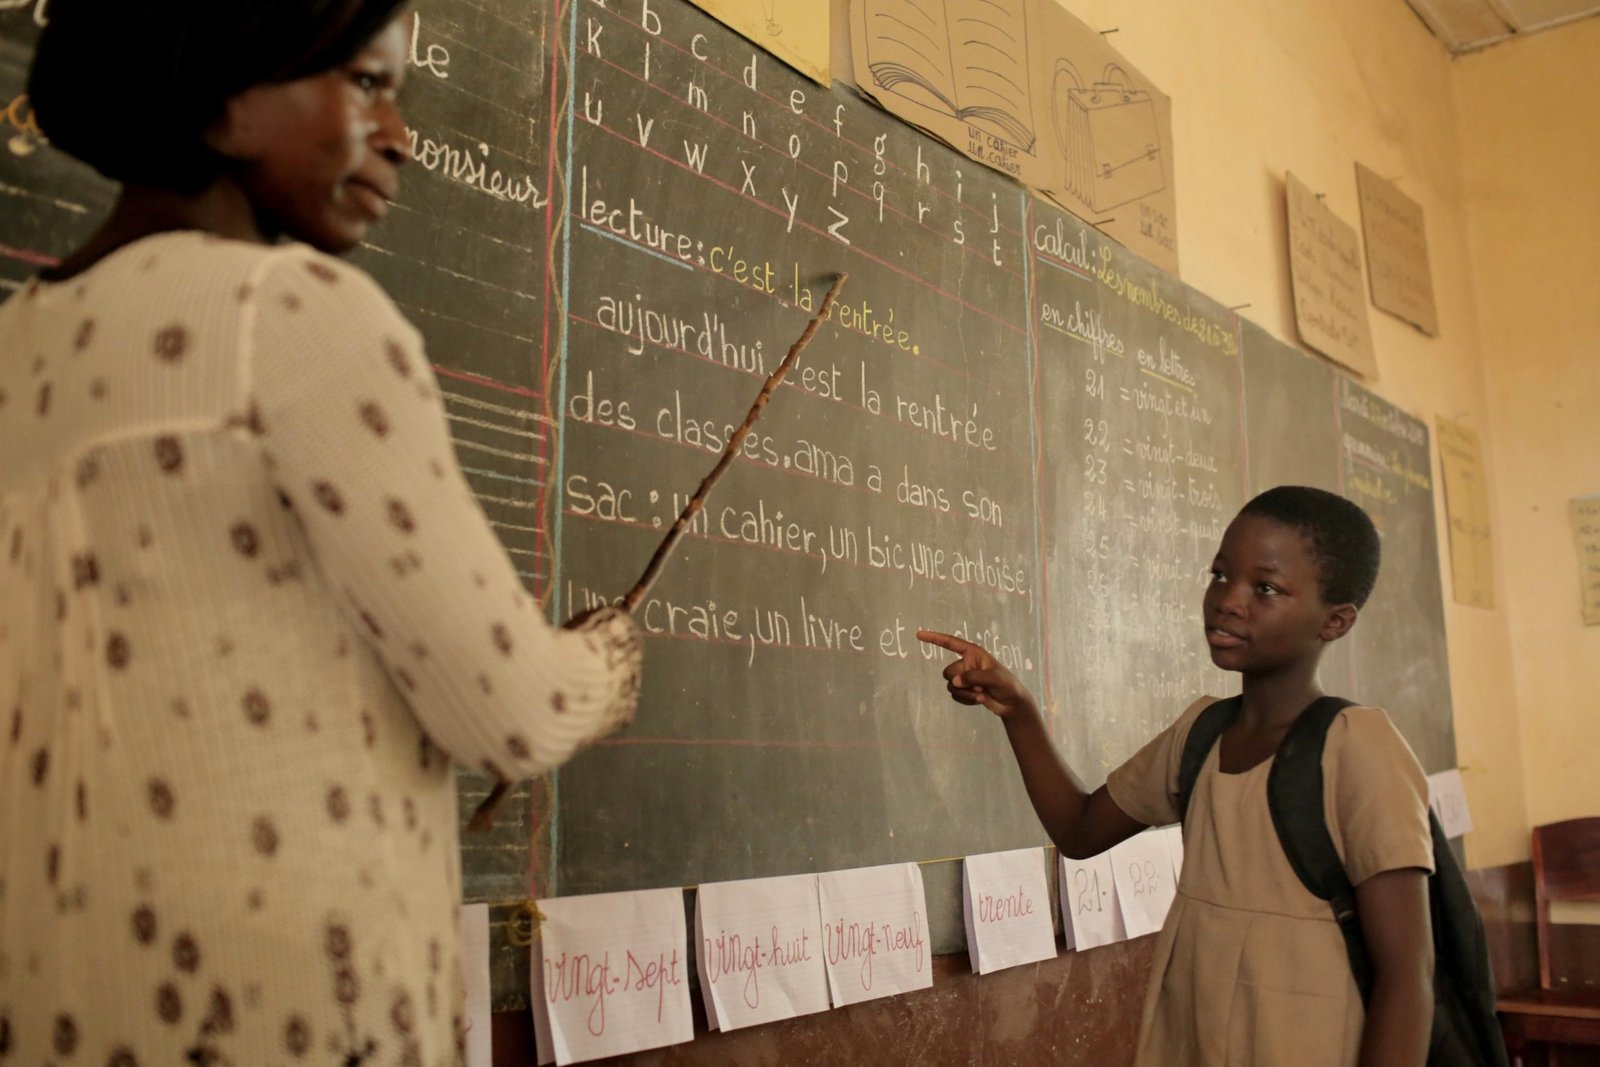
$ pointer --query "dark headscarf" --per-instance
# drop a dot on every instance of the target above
(129, 86)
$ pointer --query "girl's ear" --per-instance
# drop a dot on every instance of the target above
(1340, 619)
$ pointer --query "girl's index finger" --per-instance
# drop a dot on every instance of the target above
(949, 642)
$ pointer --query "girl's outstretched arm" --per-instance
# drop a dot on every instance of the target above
(1395, 924)
(1081, 823)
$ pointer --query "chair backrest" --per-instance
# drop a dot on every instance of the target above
(1566, 866)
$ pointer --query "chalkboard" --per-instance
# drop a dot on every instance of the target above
(1309, 425)
(1142, 420)
(1293, 439)
(618, 218)
(1398, 650)
(48, 203)
(789, 715)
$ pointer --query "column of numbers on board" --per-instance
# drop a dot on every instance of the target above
(1095, 436)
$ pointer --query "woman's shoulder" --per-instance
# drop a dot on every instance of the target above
(297, 277)
(293, 293)
(208, 270)
(293, 260)
(276, 267)
(248, 269)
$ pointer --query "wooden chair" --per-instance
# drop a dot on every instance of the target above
(1566, 866)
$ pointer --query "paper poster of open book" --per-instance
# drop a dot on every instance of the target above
(1027, 89)
(963, 59)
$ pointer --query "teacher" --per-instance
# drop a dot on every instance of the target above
(250, 611)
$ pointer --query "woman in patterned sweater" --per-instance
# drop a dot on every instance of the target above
(249, 609)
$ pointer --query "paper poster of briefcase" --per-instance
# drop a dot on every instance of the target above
(1109, 137)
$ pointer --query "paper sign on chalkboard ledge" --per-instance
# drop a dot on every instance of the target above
(610, 975)
(1330, 303)
(874, 932)
(759, 950)
(475, 984)
(1005, 901)
(1142, 868)
(1089, 912)
(1447, 796)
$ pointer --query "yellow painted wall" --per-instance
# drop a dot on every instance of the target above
(1531, 120)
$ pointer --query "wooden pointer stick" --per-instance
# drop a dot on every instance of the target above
(483, 818)
(658, 561)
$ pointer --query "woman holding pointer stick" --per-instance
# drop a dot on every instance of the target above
(250, 611)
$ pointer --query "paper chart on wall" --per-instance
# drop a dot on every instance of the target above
(1330, 301)
(1397, 251)
(957, 68)
(1466, 505)
(1110, 135)
(1447, 796)
(1584, 513)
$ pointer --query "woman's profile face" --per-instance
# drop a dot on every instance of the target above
(319, 157)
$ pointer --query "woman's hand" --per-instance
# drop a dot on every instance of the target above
(977, 677)
(589, 620)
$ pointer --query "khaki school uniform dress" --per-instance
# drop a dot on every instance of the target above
(1250, 968)
(249, 614)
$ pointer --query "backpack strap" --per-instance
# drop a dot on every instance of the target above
(1295, 796)
(1203, 733)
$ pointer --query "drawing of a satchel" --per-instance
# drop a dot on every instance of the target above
(1109, 137)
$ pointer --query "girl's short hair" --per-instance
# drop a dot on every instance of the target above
(1344, 543)
(129, 86)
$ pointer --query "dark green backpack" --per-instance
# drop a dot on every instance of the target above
(1466, 1032)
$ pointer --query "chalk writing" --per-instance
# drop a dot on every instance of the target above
(712, 198)
(435, 59)
(1143, 426)
(473, 168)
